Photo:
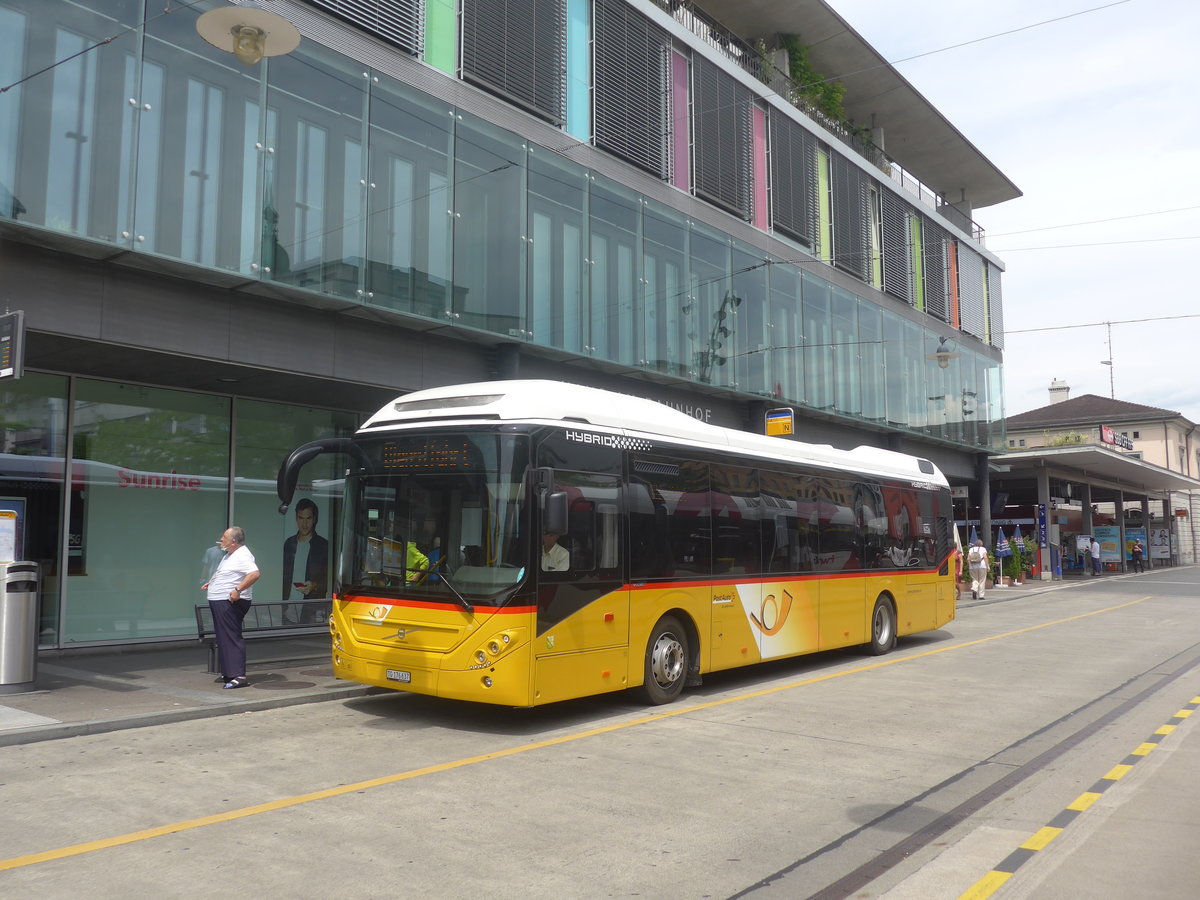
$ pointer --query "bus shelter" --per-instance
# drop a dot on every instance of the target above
(1061, 496)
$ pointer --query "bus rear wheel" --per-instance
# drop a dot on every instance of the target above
(883, 627)
(666, 661)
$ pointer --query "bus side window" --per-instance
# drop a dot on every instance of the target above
(647, 530)
(736, 517)
(593, 526)
(838, 542)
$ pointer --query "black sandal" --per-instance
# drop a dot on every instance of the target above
(234, 683)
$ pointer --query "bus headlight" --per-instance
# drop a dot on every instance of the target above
(495, 648)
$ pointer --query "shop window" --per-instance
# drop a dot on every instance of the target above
(295, 552)
(32, 442)
(151, 468)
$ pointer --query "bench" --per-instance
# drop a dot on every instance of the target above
(265, 620)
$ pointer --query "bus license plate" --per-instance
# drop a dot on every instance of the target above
(398, 675)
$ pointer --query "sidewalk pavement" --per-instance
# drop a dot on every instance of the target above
(100, 690)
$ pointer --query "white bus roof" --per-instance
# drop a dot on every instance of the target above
(607, 412)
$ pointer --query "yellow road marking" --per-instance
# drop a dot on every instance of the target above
(1116, 773)
(1083, 801)
(1041, 838)
(17, 862)
(1143, 749)
(986, 886)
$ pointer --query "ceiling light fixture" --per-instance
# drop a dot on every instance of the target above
(249, 33)
(943, 354)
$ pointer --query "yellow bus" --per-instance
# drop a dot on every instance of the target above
(524, 542)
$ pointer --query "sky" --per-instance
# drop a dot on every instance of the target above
(1096, 119)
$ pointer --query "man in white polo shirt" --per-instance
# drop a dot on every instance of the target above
(229, 596)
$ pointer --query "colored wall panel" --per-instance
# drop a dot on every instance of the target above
(680, 132)
(759, 151)
(579, 71)
(441, 35)
(952, 278)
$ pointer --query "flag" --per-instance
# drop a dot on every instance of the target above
(1002, 548)
(974, 535)
(1018, 540)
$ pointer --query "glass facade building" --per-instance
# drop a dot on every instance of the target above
(639, 208)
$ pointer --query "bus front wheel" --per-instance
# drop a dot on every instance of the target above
(666, 661)
(883, 627)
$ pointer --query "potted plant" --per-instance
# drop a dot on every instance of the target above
(1013, 570)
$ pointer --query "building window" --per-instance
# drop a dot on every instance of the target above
(632, 87)
(396, 21)
(1021, 442)
(517, 49)
(1136, 435)
(851, 217)
(793, 179)
(722, 141)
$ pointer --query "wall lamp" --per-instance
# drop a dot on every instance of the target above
(943, 354)
(248, 33)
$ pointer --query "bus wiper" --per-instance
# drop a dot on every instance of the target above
(438, 568)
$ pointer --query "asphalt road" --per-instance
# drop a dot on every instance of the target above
(843, 775)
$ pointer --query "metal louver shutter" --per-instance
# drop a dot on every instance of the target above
(851, 222)
(399, 22)
(970, 292)
(933, 249)
(517, 49)
(722, 137)
(995, 306)
(897, 262)
(632, 87)
(793, 179)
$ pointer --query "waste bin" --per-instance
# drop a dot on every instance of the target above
(18, 626)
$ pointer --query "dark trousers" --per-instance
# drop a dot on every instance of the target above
(1137, 564)
(231, 647)
(1096, 565)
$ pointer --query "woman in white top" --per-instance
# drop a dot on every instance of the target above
(977, 565)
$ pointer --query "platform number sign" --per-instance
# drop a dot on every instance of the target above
(12, 345)
(780, 421)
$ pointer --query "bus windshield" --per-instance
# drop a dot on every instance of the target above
(438, 517)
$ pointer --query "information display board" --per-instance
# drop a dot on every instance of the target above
(12, 345)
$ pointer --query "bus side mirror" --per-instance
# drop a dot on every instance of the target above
(554, 512)
(289, 472)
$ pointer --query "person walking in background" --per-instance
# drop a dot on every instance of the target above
(229, 596)
(1137, 552)
(212, 558)
(977, 565)
(1095, 551)
(305, 566)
